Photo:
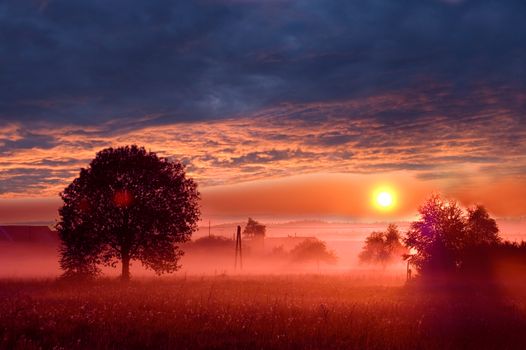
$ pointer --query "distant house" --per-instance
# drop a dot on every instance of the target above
(28, 234)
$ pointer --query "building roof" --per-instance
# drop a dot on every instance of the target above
(28, 234)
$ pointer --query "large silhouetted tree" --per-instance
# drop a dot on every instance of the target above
(446, 239)
(129, 204)
(438, 236)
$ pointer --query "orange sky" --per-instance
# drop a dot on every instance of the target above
(316, 162)
(347, 197)
(279, 108)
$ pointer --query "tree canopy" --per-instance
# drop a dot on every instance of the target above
(212, 243)
(313, 250)
(383, 247)
(254, 229)
(481, 229)
(445, 235)
(128, 204)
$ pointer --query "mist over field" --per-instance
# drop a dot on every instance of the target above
(40, 259)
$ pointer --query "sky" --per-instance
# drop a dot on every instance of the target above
(278, 108)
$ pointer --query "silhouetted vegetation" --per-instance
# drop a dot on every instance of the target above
(449, 240)
(254, 229)
(313, 250)
(480, 228)
(129, 204)
(438, 236)
(212, 243)
(383, 247)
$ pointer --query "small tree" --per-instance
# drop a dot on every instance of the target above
(383, 247)
(254, 229)
(212, 243)
(313, 250)
(374, 250)
(129, 204)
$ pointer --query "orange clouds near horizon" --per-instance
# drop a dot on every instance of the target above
(336, 195)
(295, 159)
(332, 196)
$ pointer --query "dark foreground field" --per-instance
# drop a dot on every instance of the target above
(311, 312)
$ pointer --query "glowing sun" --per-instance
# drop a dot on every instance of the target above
(384, 199)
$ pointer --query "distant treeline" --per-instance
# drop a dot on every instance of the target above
(309, 250)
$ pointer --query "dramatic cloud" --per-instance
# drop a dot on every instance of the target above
(450, 155)
(254, 91)
(90, 62)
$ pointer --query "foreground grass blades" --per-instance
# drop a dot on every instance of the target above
(272, 312)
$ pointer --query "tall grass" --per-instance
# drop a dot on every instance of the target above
(272, 312)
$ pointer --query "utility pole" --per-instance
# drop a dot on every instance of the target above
(209, 235)
(238, 249)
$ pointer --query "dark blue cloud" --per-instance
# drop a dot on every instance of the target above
(26, 140)
(262, 157)
(30, 180)
(88, 62)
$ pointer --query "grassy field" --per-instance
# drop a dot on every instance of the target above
(247, 312)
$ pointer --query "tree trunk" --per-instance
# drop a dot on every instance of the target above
(125, 276)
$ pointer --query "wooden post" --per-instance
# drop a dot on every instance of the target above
(238, 249)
